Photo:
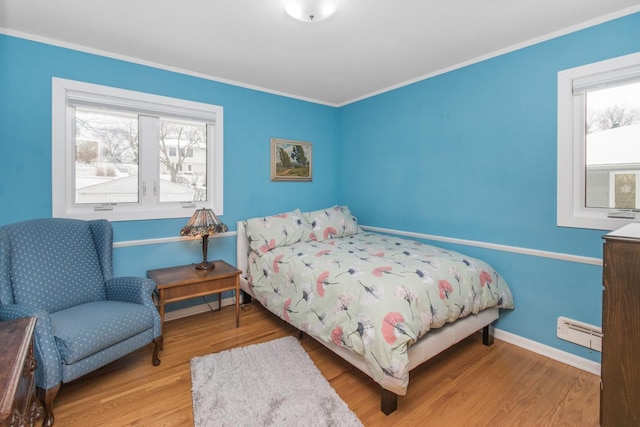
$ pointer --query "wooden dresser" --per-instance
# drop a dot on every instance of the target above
(620, 377)
(18, 403)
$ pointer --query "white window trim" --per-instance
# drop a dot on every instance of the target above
(571, 210)
(62, 169)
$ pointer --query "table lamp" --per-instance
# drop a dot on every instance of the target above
(204, 223)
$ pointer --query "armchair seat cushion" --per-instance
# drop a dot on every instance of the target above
(84, 330)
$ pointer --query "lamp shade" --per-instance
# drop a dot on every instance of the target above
(310, 10)
(203, 222)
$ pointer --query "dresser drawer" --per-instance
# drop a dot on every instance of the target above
(18, 403)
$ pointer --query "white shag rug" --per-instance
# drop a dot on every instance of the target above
(270, 384)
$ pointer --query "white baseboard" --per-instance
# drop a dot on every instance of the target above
(541, 349)
(550, 352)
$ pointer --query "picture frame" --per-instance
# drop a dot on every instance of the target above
(291, 160)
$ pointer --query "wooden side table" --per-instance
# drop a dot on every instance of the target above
(184, 282)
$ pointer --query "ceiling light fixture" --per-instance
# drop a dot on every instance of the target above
(310, 10)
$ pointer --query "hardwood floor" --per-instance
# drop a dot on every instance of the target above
(468, 385)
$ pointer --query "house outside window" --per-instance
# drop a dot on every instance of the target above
(119, 154)
(599, 144)
(612, 144)
(186, 152)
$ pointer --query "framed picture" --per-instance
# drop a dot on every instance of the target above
(290, 160)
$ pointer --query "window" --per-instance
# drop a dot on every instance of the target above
(120, 155)
(599, 144)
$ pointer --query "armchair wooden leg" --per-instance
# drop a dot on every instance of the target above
(46, 397)
(158, 344)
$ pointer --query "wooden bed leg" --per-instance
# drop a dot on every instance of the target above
(388, 401)
(246, 298)
(487, 335)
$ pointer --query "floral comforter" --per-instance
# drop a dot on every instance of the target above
(374, 294)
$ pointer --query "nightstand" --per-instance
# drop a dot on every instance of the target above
(184, 282)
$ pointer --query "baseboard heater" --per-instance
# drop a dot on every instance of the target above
(580, 333)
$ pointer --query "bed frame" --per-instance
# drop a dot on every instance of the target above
(430, 345)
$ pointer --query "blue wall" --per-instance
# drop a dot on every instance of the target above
(471, 154)
(468, 154)
(251, 118)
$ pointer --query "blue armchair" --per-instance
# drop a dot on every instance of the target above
(60, 271)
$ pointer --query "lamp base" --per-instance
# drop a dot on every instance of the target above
(209, 265)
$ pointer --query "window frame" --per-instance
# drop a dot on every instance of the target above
(571, 167)
(144, 104)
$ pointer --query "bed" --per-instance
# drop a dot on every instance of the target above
(383, 303)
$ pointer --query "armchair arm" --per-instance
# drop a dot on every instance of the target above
(49, 372)
(18, 311)
(137, 290)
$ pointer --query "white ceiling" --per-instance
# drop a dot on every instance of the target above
(367, 47)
